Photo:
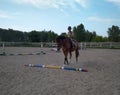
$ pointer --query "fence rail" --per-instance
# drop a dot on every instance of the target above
(101, 44)
(82, 45)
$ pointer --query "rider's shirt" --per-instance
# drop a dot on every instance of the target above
(70, 34)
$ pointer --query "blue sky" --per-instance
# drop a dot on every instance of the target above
(57, 15)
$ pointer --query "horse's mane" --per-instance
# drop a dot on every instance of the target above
(61, 37)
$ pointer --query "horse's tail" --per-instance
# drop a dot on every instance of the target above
(77, 54)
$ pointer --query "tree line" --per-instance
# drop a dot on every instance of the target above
(10, 35)
(80, 34)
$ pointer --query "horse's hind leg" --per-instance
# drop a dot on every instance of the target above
(77, 54)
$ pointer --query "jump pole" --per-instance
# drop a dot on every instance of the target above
(56, 67)
(12, 54)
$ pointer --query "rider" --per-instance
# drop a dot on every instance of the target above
(70, 36)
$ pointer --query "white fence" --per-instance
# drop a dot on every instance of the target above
(100, 45)
(82, 45)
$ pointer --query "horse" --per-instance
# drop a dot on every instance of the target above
(64, 43)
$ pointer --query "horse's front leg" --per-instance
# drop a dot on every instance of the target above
(70, 57)
(65, 59)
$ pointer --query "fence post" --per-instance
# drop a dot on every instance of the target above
(81, 45)
(85, 45)
(90, 44)
(100, 45)
(52, 44)
(3, 48)
(41, 44)
(110, 44)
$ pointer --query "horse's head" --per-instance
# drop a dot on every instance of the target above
(59, 41)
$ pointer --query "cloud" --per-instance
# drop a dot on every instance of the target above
(42, 3)
(117, 2)
(83, 3)
(104, 20)
(53, 3)
(64, 12)
(3, 14)
(61, 5)
(7, 15)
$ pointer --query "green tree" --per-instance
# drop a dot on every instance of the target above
(75, 33)
(34, 36)
(89, 36)
(11, 35)
(100, 39)
(51, 36)
(63, 34)
(114, 34)
(79, 33)
(42, 36)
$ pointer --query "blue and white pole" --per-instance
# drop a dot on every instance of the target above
(57, 67)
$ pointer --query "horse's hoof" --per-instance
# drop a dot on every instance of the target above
(63, 65)
(68, 63)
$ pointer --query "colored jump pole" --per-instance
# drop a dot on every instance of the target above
(57, 67)
(22, 54)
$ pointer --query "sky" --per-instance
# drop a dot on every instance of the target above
(57, 15)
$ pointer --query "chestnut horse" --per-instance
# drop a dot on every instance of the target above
(64, 43)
